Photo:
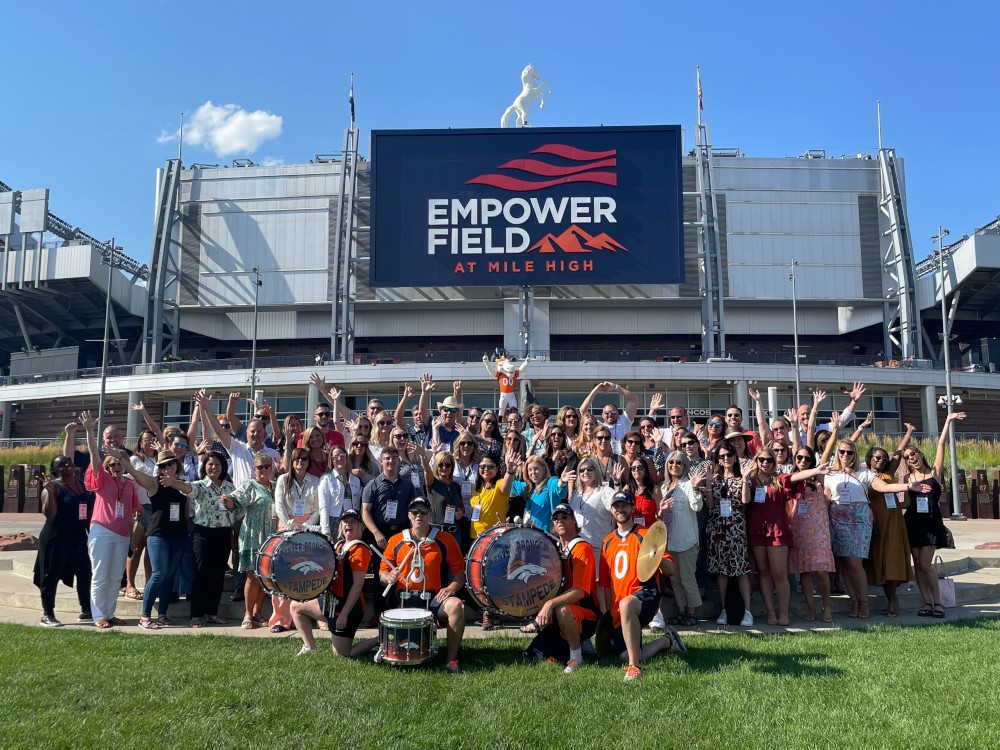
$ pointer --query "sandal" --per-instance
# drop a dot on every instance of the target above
(216, 620)
(197, 622)
(147, 623)
(925, 611)
(133, 593)
(688, 620)
(165, 621)
(938, 611)
(117, 621)
(278, 628)
(102, 624)
(530, 628)
(248, 623)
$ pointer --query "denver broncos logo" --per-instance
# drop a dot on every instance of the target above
(307, 566)
(588, 166)
(526, 572)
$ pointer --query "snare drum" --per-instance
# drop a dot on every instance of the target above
(406, 636)
(298, 565)
(514, 570)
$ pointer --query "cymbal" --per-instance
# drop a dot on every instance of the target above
(651, 551)
(603, 635)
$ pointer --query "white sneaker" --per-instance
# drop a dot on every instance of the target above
(723, 619)
(306, 650)
(658, 623)
(747, 621)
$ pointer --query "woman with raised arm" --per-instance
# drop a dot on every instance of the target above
(143, 459)
(810, 520)
(536, 434)
(167, 542)
(644, 489)
(256, 497)
(213, 528)
(682, 499)
(115, 506)
(382, 436)
(652, 445)
(847, 486)
(728, 551)
(888, 562)
(559, 454)
(62, 543)
(541, 491)
(359, 459)
(924, 523)
(583, 444)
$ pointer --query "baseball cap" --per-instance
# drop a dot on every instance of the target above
(350, 513)
(418, 501)
(562, 508)
(623, 496)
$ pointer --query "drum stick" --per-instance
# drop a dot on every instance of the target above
(396, 570)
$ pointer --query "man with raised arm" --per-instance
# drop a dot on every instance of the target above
(618, 423)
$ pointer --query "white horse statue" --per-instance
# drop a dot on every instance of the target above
(532, 87)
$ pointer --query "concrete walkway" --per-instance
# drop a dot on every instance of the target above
(976, 573)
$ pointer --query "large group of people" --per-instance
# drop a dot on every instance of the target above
(789, 497)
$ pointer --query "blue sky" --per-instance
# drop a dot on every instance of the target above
(93, 86)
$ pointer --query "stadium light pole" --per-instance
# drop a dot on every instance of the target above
(253, 349)
(110, 261)
(949, 400)
(795, 334)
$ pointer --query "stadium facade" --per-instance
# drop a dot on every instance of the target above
(194, 315)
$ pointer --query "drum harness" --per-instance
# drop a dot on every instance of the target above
(417, 567)
(330, 601)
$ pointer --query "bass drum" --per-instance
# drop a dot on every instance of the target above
(298, 565)
(514, 570)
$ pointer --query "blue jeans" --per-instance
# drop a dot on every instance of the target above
(184, 578)
(165, 555)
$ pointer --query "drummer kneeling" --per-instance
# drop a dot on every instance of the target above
(415, 561)
(353, 558)
(566, 619)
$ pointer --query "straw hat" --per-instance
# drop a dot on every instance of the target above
(450, 403)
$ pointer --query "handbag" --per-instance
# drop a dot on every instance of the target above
(946, 586)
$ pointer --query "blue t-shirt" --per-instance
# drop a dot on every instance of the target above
(539, 506)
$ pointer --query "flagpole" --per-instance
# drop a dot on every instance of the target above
(698, 78)
(350, 100)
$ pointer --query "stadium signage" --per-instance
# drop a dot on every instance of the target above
(526, 206)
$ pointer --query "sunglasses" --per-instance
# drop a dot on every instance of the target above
(572, 416)
(489, 421)
(715, 424)
(224, 425)
(640, 467)
(602, 438)
(263, 467)
(443, 466)
(586, 470)
(181, 445)
(448, 410)
(322, 414)
(675, 463)
(384, 424)
(399, 437)
(609, 413)
(420, 512)
(465, 444)
(765, 460)
(114, 465)
(688, 443)
(263, 417)
(645, 427)
(803, 458)
(879, 457)
(487, 467)
(845, 453)
(299, 460)
(732, 415)
(360, 445)
(676, 416)
(560, 516)
(724, 456)
(780, 450)
(632, 442)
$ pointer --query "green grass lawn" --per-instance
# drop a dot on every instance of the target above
(927, 687)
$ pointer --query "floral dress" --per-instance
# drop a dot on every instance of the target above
(728, 550)
(260, 522)
(811, 530)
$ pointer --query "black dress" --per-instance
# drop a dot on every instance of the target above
(926, 529)
(62, 548)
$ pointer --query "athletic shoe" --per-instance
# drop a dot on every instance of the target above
(747, 621)
(676, 644)
(723, 618)
(632, 673)
(533, 654)
(306, 650)
(657, 623)
(452, 666)
(572, 664)
(488, 622)
(85, 617)
(50, 622)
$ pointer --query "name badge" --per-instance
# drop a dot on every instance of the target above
(890, 500)
(222, 505)
(605, 484)
(476, 512)
(119, 509)
(760, 495)
(81, 514)
(299, 507)
(639, 521)
(726, 508)
(390, 510)
(844, 493)
(415, 478)
(922, 505)
(803, 507)
(445, 448)
(616, 446)
(466, 489)
(527, 517)
(449, 514)
(175, 512)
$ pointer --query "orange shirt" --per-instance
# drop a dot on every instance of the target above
(580, 571)
(442, 560)
(618, 558)
(507, 382)
(358, 558)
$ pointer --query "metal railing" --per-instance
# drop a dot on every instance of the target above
(462, 357)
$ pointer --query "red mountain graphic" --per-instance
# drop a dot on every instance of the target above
(575, 240)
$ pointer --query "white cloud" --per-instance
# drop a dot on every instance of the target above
(228, 129)
(272, 161)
